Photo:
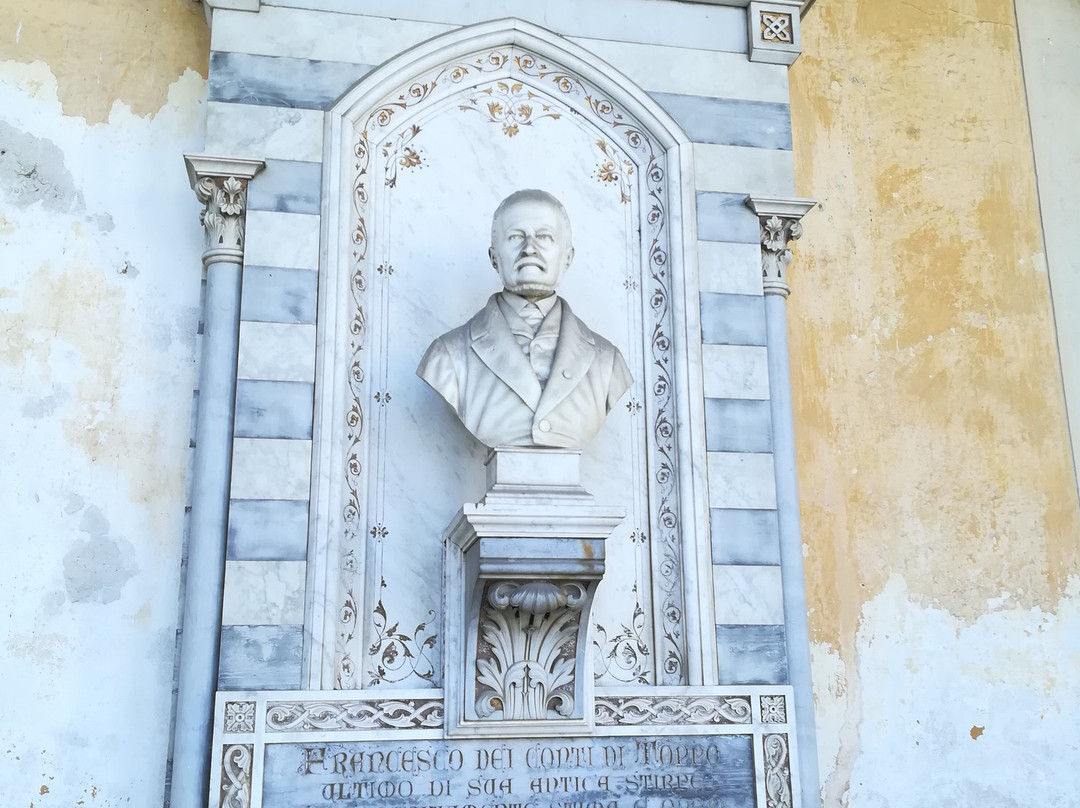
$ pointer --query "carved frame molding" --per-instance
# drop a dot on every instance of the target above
(341, 277)
(762, 712)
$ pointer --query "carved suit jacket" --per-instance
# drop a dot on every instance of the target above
(485, 376)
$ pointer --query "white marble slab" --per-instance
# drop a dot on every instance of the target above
(729, 268)
(659, 21)
(278, 351)
(261, 132)
(264, 592)
(282, 239)
(744, 169)
(268, 468)
(332, 37)
(741, 480)
(735, 371)
(748, 595)
(661, 68)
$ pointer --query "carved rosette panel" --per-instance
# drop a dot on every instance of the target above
(777, 771)
(236, 776)
(672, 710)
(516, 89)
(305, 716)
(225, 201)
(239, 716)
(527, 649)
(776, 232)
(773, 710)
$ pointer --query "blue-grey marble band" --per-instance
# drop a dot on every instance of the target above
(732, 319)
(287, 186)
(751, 655)
(260, 657)
(729, 121)
(742, 536)
(725, 217)
(274, 295)
(268, 530)
(737, 425)
(273, 409)
(280, 81)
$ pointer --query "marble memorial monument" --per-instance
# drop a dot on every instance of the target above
(507, 583)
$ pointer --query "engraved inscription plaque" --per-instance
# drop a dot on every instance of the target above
(658, 772)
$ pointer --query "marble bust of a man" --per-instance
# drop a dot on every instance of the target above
(524, 370)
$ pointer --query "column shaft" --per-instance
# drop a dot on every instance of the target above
(791, 546)
(207, 535)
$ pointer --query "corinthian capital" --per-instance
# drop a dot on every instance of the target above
(780, 224)
(220, 183)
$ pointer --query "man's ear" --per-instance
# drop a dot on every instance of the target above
(569, 258)
(491, 255)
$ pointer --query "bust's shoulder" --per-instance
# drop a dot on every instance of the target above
(459, 338)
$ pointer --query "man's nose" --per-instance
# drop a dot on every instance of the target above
(529, 245)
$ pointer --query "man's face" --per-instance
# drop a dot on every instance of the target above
(530, 248)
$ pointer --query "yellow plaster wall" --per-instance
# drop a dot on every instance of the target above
(102, 51)
(932, 442)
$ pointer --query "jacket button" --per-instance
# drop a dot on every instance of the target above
(545, 426)
(566, 374)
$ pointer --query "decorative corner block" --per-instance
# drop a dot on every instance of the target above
(774, 33)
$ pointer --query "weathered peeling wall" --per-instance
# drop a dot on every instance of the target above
(938, 500)
(99, 296)
(101, 51)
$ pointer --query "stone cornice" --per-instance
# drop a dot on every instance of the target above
(235, 5)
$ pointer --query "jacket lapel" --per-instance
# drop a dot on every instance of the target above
(497, 348)
(573, 357)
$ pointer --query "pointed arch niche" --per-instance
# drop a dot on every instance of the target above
(417, 156)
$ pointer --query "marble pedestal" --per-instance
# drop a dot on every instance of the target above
(521, 568)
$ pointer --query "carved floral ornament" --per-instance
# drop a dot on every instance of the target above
(780, 222)
(239, 716)
(777, 771)
(528, 640)
(236, 776)
(220, 184)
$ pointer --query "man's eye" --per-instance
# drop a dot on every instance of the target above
(545, 236)
(514, 237)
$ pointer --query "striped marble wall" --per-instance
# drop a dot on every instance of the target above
(272, 74)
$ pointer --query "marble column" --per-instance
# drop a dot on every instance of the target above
(780, 224)
(220, 183)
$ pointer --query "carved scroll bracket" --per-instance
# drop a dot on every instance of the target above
(220, 183)
(780, 224)
(522, 568)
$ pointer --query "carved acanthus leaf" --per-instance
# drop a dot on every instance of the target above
(776, 233)
(528, 648)
(777, 771)
(225, 200)
(236, 776)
